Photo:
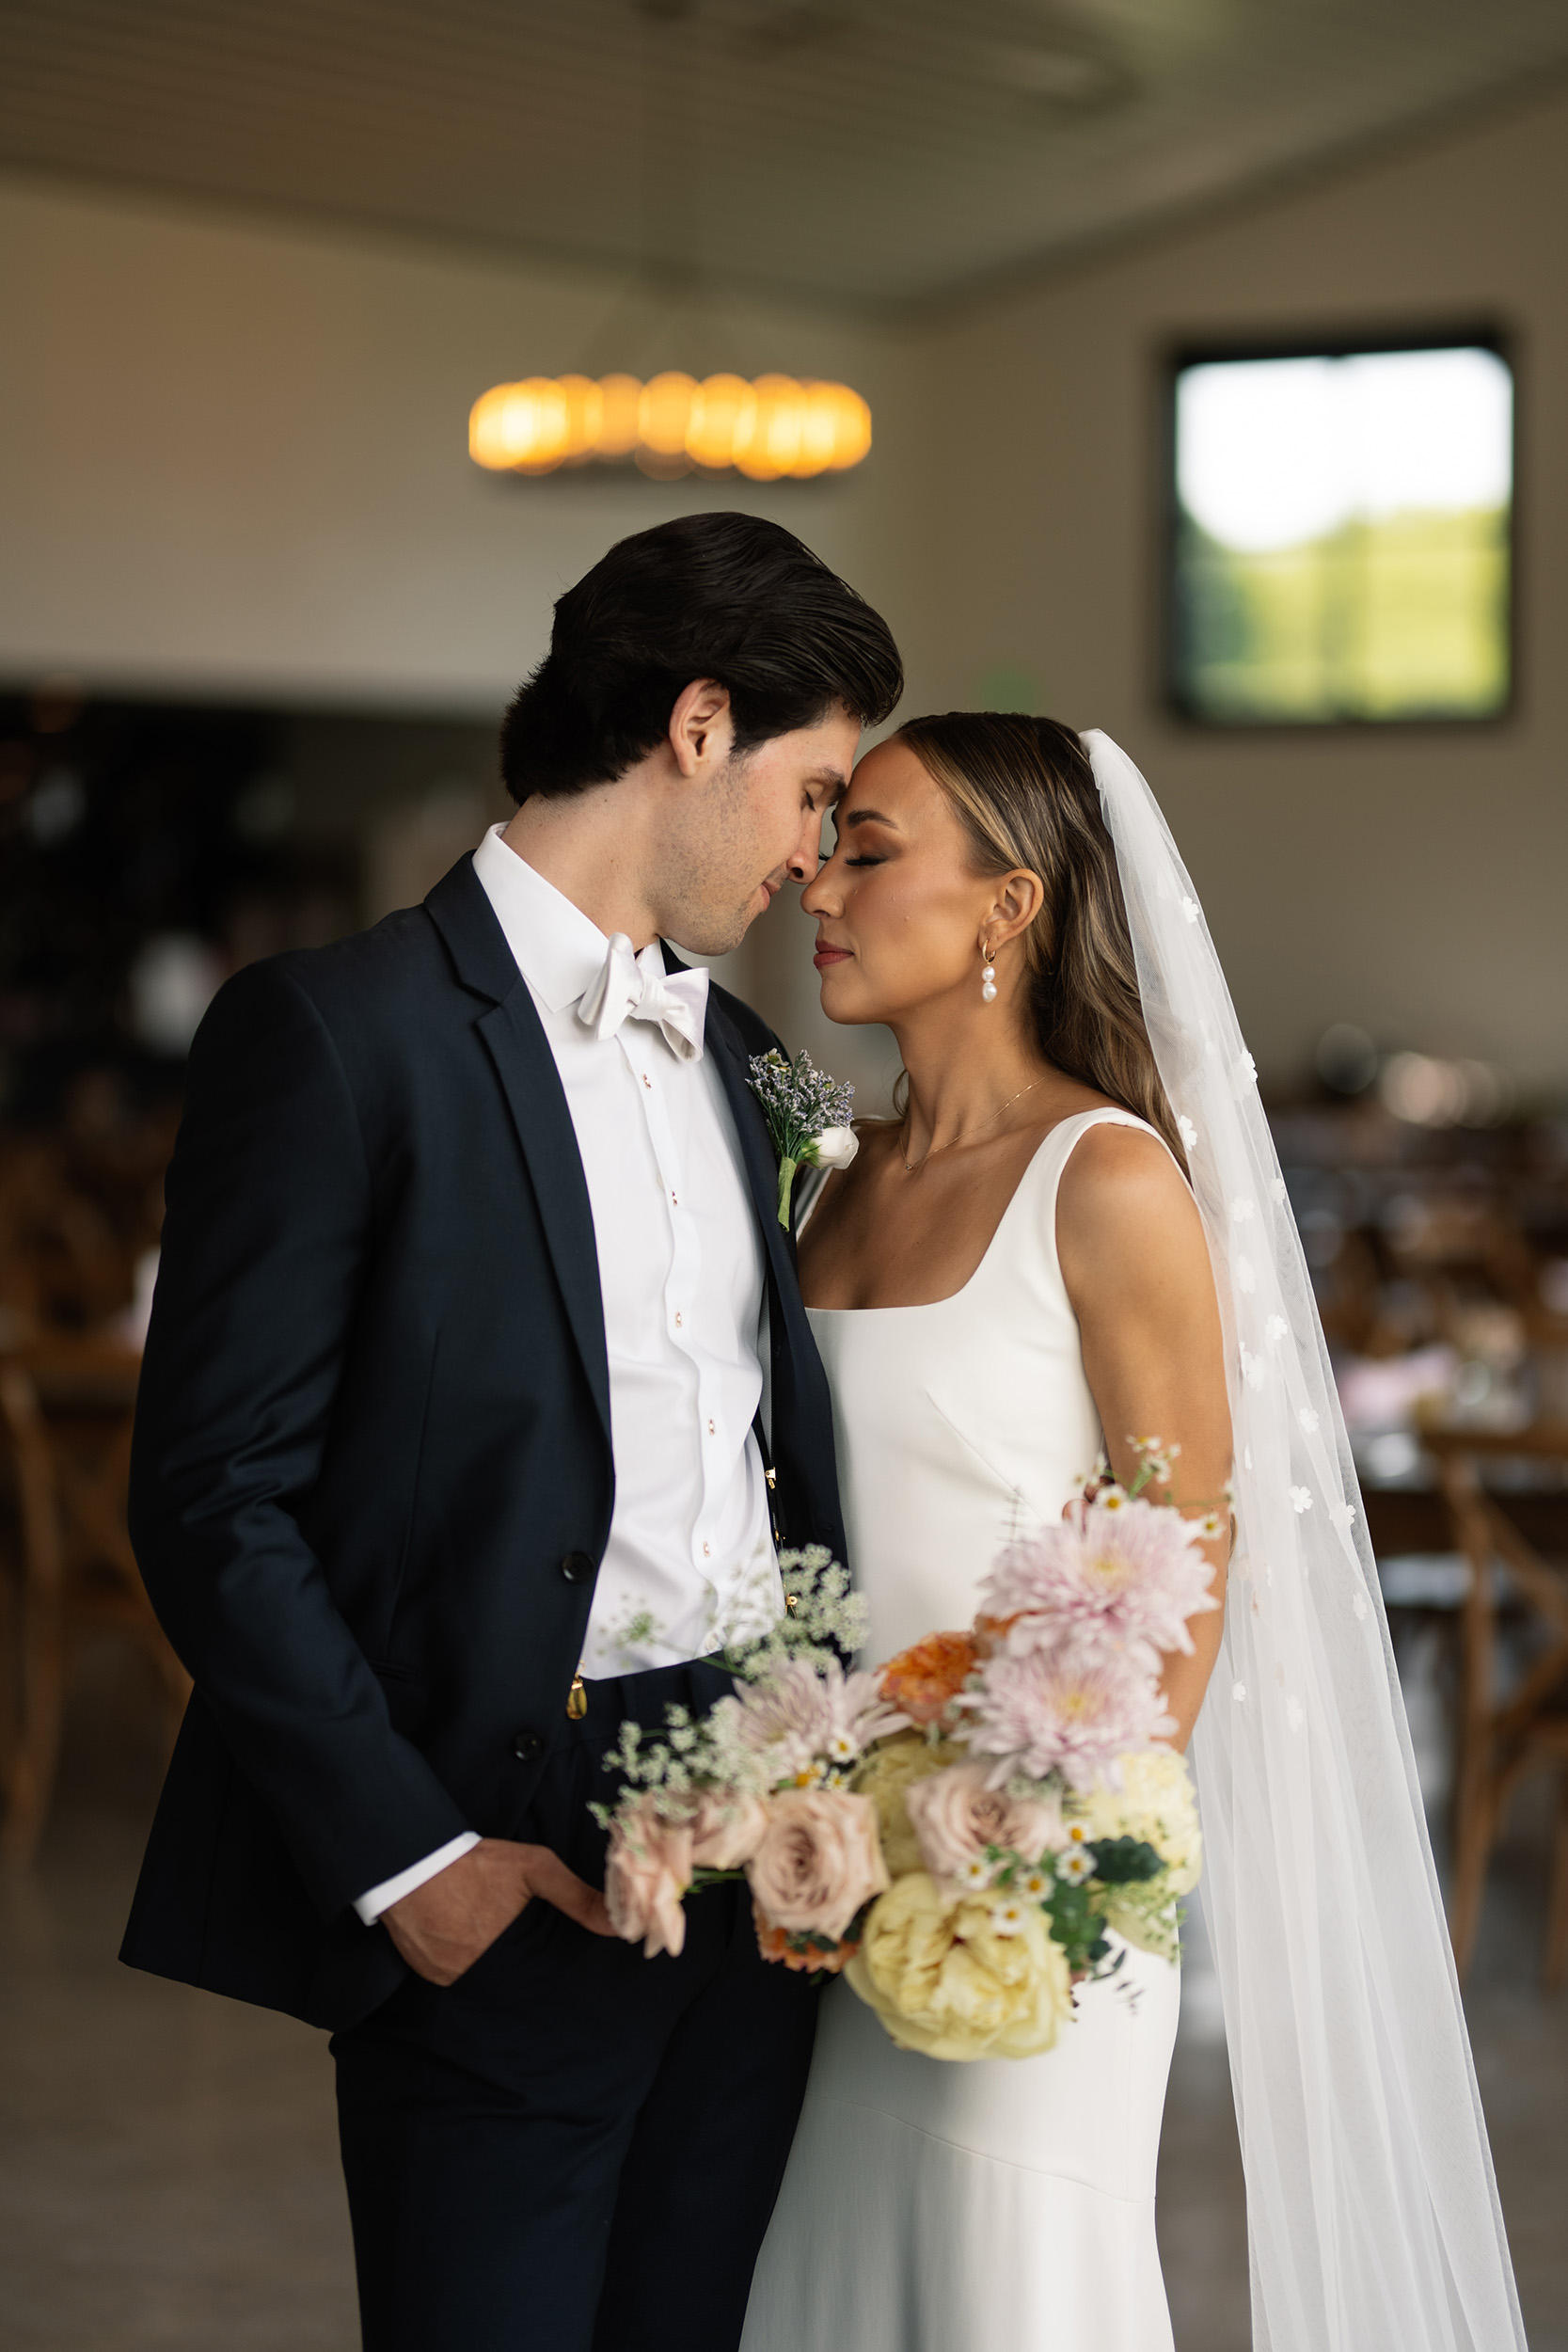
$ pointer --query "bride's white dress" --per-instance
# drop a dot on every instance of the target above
(1006, 2205)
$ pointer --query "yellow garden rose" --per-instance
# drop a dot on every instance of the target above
(1154, 1803)
(946, 1980)
(887, 1772)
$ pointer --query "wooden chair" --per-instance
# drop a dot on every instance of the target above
(64, 1434)
(1502, 1742)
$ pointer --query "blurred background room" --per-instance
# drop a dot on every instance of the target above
(1192, 369)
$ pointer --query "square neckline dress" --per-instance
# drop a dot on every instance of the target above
(1002, 2205)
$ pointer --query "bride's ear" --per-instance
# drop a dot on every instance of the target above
(1018, 899)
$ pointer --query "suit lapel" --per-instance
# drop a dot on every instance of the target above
(514, 1038)
(756, 1146)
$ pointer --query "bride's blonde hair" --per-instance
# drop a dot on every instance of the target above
(1025, 795)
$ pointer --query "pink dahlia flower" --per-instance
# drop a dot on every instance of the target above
(1075, 1708)
(1135, 1569)
(799, 1717)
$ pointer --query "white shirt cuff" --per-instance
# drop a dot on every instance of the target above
(379, 1899)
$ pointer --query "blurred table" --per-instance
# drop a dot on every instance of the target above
(67, 1406)
(1490, 1483)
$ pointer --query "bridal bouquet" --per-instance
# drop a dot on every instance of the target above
(760, 1788)
(961, 1832)
(1030, 1812)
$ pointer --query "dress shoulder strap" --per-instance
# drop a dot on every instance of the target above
(1043, 1177)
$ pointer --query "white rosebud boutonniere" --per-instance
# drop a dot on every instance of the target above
(808, 1118)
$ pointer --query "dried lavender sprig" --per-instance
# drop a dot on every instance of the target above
(800, 1104)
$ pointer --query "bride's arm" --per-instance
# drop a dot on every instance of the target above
(1136, 1268)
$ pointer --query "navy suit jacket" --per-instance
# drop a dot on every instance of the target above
(373, 1479)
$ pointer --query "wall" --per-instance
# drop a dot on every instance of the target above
(1410, 881)
(233, 457)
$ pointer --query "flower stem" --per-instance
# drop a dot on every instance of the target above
(787, 1180)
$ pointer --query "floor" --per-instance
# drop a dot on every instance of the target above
(168, 2167)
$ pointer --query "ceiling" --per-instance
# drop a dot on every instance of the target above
(882, 153)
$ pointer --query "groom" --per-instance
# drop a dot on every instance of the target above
(477, 1394)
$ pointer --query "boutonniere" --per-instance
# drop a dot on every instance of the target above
(808, 1118)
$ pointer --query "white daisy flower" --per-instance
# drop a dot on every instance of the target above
(1009, 1917)
(1034, 1885)
(1076, 1865)
(975, 1874)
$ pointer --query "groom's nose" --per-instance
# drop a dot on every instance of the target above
(807, 855)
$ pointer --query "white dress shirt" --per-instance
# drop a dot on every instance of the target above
(689, 1562)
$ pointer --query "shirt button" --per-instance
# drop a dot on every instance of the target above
(577, 1568)
(647, 1082)
(527, 1746)
(677, 1318)
(707, 1550)
(674, 1201)
(710, 1430)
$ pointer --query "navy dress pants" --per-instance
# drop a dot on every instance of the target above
(573, 2149)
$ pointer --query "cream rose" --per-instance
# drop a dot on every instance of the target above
(726, 1830)
(946, 1980)
(819, 1861)
(647, 1872)
(957, 1817)
(1155, 1803)
(887, 1775)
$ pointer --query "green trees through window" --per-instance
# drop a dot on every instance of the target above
(1342, 536)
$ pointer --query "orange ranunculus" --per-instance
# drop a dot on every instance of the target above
(990, 1633)
(798, 1952)
(924, 1680)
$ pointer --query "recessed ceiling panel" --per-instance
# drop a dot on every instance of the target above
(874, 151)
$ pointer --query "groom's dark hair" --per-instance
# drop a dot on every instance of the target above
(723, 596)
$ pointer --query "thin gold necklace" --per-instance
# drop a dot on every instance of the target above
(912, 1167)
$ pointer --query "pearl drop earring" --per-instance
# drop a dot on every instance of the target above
(988, 975)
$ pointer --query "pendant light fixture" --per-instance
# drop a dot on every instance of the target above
(773, 429)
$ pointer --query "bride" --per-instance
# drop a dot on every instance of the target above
(1075, 1234)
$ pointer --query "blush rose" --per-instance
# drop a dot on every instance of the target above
(647, 1872)
(818, 1861)
(957, 1817)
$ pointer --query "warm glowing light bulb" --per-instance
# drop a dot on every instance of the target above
(584, 418)
(522, 426)
(622, 407)
(722, 412)
(666, 411)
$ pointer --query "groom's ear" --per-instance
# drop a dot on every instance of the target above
(701, 727)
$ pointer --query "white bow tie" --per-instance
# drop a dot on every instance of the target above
(637, 988)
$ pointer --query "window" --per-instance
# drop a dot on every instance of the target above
(1342, 541)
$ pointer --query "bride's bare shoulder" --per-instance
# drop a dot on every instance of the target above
(1122, 1194)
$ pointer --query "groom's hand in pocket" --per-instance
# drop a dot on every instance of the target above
(442, 1927)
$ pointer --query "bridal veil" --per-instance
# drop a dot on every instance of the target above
(1373, 2209)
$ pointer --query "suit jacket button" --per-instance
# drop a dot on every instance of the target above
(577, 1568)
(527, 1746)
